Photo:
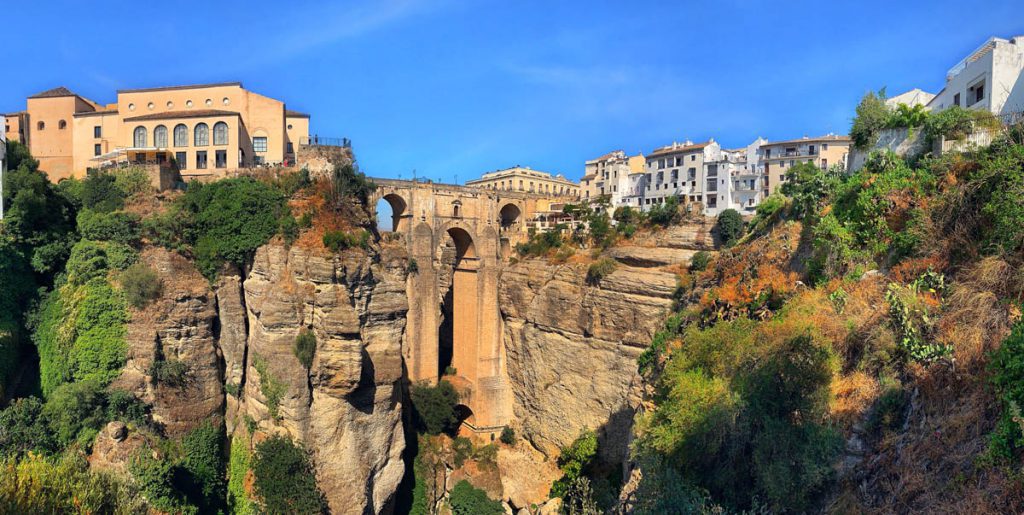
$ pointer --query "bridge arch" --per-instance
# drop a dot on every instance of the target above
(399, 211)
(464, 246)
(510, 216)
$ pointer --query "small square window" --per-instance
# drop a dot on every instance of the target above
(259, 144)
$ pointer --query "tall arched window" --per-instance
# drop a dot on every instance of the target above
(180, 135)
(160, 136)
(140, 136)
(202, 136)
(220, 133)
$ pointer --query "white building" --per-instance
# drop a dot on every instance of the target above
(735, 181)
(990, 78)
(677, 170)
(608, 176)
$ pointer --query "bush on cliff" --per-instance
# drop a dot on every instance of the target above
(283, 478)
(465, 499)
(141, 285)
(434, 407)
(729, 226)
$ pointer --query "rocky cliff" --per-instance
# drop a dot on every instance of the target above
(572, 348)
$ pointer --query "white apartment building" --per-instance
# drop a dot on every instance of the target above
(608, 175)
(677, 170)
(990, 78)
(735, 181)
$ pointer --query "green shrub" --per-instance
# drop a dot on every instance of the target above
(169, 372)
(699, 261)
(956, 123)
(1007, 376)
(100, 193)
(872, 115)
(337, 241)
(907, 116)
(348, 183)
(767, 213)
(468, 500)
(203, 463)
(665, 213)
(272, 388)
(508, 435)
(75, 412)
(888, 411)
(117, 226)
(227, 220)
(155, 477)
(573, 460)
(141, 285)
(132, 181)
(434, 407)
(283, 478)
(305, 347)
(64, 484)
(238, 467)
(125, 407)
(729, 226)
(24, 429)
(600, 269)
(289, 229)
(462, 449)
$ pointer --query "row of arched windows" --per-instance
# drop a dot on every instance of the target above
(200, 135)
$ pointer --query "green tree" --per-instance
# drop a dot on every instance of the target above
(283, 478)
(434, 406)
(465, 499)
(872, 116)
(229, 220)
(305, 347)
(23, 428)
(729, 226)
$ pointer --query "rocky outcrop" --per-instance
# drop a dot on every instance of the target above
(346, 408)
(649, 257)
(176, 329)
(572, 349)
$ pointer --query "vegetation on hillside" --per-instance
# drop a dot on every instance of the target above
(862, 307)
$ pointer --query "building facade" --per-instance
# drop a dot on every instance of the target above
(776, 158)
(204, 130)
(990, 78)
(677, 170)
(526, 179)
(608, 175)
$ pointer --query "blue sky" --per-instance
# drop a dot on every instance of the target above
(453, 88)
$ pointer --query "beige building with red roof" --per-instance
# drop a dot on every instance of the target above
(205, 130)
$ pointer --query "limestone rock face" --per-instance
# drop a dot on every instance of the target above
(114, 448)
(651, 256)
(572, 349)
(176, 327)
(347, 407)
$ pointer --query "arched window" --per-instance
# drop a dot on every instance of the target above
(40, 126)
(180, 135)
(202, 135)
(62, 125)
(140, 136)
(160, 136)
(220, 133)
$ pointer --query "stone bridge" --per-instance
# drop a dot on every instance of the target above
(453, 318)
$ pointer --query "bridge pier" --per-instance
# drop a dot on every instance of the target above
(431, 214)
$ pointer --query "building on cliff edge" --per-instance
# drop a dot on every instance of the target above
(204, 130)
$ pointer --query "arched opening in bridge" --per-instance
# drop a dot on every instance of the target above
(458, 331)
(509, 216)
(465, 414)
(391, 213)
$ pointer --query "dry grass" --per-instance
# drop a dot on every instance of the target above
(979, 310)
(852, 397)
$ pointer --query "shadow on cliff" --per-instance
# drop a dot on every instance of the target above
(363, 397)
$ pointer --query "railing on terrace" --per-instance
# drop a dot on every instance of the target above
(323, 141)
